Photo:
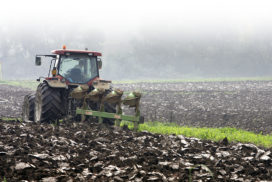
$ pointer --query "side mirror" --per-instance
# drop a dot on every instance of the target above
(99, 61)
(38, 61)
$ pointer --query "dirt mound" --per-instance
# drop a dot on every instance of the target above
(92, 152)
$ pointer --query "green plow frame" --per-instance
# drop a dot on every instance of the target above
(118, 117)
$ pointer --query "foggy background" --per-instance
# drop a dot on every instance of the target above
(141, 39)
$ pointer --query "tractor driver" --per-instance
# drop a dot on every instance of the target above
(76, 73)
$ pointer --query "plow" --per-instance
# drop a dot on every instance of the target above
(99, 95)
(73, 90)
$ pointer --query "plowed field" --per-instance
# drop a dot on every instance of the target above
(91, 152)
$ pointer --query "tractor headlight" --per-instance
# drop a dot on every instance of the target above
(54, 71)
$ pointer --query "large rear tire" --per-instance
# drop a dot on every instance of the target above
(28, 108)
(48, 104)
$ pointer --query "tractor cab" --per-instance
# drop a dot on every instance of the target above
(73, 66)
(77, 68)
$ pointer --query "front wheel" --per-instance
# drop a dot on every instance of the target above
(48, 104)
(28, 108)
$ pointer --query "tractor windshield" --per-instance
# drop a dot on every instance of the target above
(78, 68)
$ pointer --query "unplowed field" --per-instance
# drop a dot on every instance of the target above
(246, 105)
(92, 152)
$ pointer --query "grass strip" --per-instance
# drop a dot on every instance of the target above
(21, 83)
(10, 119)
(226, 79)
(214, 134)
(33, 84)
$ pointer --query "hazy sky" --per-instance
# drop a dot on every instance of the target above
(195, 31)
(127, 16)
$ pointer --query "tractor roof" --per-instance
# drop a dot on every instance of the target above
(63, 51)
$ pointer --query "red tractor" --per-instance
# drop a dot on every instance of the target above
(74, 89)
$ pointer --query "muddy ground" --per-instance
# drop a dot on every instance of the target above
(11, 100)
(91, 152)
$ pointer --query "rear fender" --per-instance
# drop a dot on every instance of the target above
(56, 83)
